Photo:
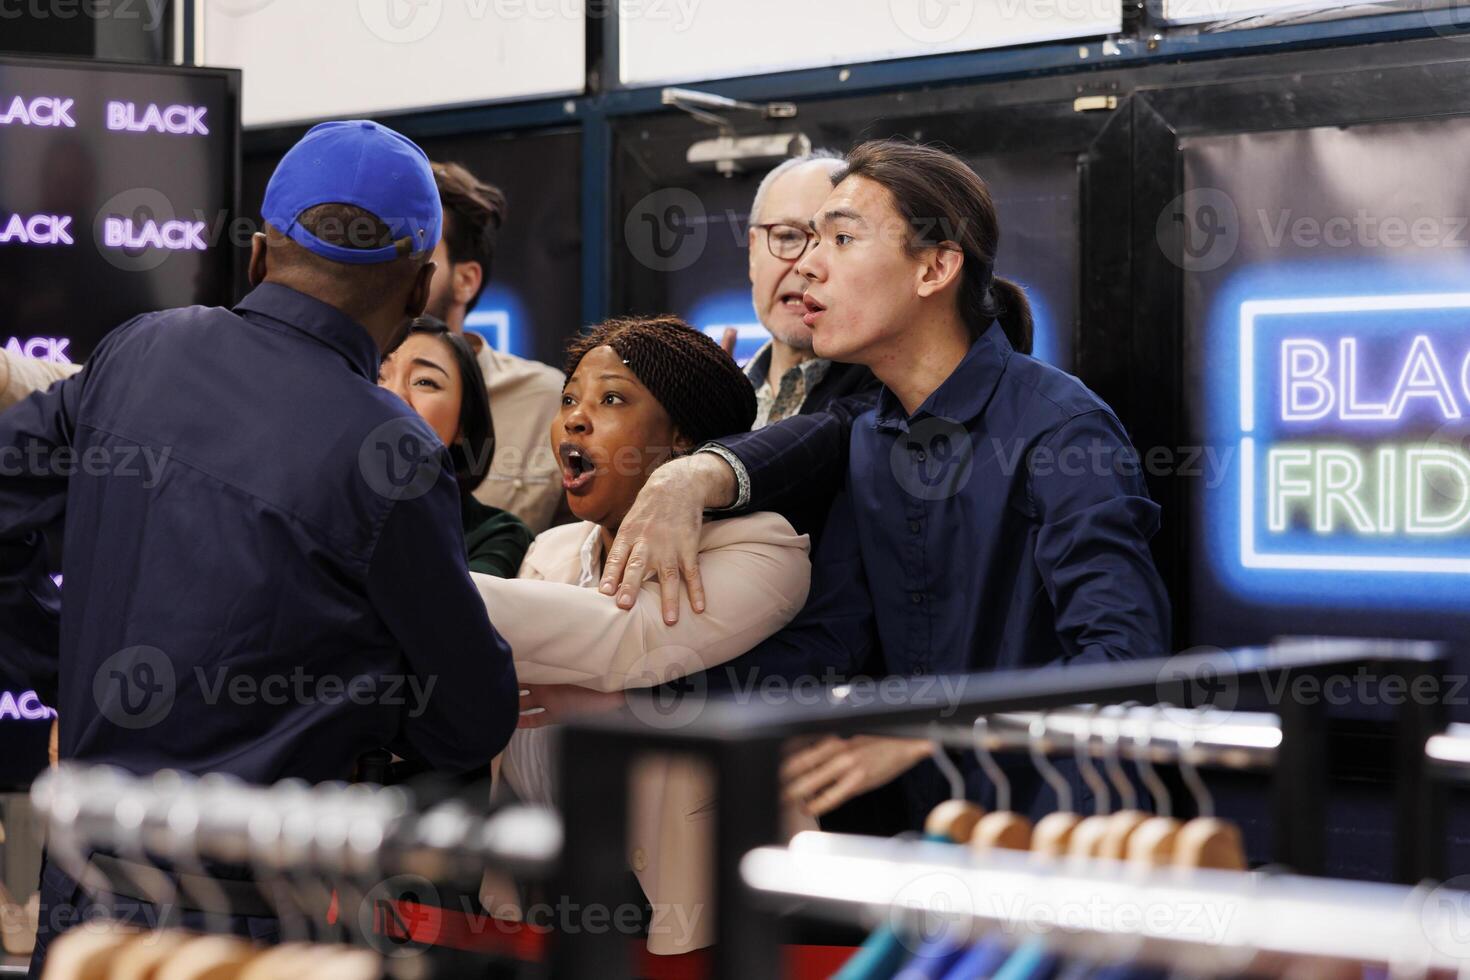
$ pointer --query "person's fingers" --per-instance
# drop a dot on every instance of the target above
(804, 790)
(633, 573)
(810, 785)
(668, 587)
(617, 555)
(809, 757)
(728, 340)
(689, 565)
(838, 793)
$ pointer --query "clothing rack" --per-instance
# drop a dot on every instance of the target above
(1205, 922)
(336, 830)
(741, 740)
(1201, 736)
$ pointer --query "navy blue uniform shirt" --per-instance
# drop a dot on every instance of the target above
(263, 557)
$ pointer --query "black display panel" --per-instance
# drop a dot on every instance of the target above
(118, 196)
(533, 303)
(1327, 342)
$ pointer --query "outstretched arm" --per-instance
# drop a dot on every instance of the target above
(797, 459)
(563, 634)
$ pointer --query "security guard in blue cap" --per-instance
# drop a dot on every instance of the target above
(264, 567)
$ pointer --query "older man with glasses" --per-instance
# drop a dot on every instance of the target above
(789, 378)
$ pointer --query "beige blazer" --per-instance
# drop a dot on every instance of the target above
(525, 477)
(20, 376)
(756, 573)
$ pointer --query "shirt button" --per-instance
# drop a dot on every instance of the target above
(920, 456)
(914, 527)
(916, 598)
(519, 483)
(920, 671)
(640, 859)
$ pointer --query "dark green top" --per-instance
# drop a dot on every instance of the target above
(495, 540)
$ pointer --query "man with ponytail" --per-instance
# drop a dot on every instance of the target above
(992, 512)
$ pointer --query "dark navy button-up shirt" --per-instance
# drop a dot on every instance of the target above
(264, 564)
(1005, 524)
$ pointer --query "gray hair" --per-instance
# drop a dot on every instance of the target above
(829, 159)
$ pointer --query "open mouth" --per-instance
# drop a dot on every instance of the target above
(792, 302)
(577, 468)
(813, 310)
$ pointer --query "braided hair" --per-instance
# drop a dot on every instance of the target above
(698, 384)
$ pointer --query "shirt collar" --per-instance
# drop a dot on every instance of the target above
(320, 321)
(759, 365)
(964, 394)
(758, 368)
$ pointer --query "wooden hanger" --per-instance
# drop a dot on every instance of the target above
(85, 954)
(1053, 832)
(1128, 818)
(207, 958)
(1206, 841)
(142, 958)
(18, 923)
(1152, 842)
(1003, 828)
(346, 963)
(1088, 836)
(288, 961)
(954, 819)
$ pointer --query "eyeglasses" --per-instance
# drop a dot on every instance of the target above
(786, 242)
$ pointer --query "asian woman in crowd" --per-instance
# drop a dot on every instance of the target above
(640, 392)
(436, 372)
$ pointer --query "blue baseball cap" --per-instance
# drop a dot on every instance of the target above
(361, 163)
